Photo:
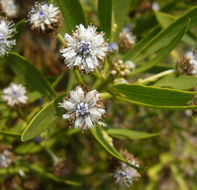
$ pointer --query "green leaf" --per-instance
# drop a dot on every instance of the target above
(27, 72)
(106, 142)
(105, 16)
(120, 10)
(11, 134)
(73, 14)
(180, 82)
(130, 134)
(178, 177)
(154, 97)
(162, 39)
(145, 40)
(162, 54)
(166, 19)
(43, 120)
(19, 28)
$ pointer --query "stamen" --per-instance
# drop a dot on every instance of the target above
(84, 48)
(82, 109)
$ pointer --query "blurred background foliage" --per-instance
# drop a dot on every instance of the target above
(170, 159)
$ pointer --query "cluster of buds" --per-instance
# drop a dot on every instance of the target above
(126, 40)
(188, 64)
(125, 175)
(121, 69)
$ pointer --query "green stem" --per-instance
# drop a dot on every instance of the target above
(60, 38)
(52, 154)
(104, 83)
(21, 115)
(78, 77)
(155, 77)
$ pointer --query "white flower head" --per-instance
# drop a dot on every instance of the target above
(84, 109)
(6, 33)
(9, 8)
(45, 18)
(15, 95)
(188, 64)
(5, 159)
(125, 175)
(126, 39)
(85, 50)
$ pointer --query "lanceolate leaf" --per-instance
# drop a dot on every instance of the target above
(137, 48)
(102, 137)
(181, 82)
(73, 14)
(162, 54)
(27, 72)
(155, 97)
(166, 19)
(105, 16)
(43, 120)
(125, 133)
(162, 38)
(19, 28)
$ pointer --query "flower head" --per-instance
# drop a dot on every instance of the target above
(126, 40)
(45, 18)
(5, 159)
(84, 109)
(85, 49)
(9, 8)
(14, 95)
(125, 175)
(6, 33)
(188, 64)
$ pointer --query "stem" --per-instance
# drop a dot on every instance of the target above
(155, 77)
(78, 77)
(104, 83)
(53, 156)
(60, 38)
(21, 115)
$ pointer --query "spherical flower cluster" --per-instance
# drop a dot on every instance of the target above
(5, 159)
(126, 40)
(85, 50)
(15, 95)
(45, 18)
(84, 109)
(121, 69)
(9, 8)
(6, 33)
(125, 175)
(188, 64)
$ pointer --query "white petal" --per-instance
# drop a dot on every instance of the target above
(88, 121)
(65, 116)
